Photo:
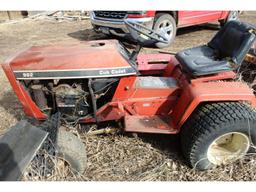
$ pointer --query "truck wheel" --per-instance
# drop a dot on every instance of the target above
(217, 134)
(166, 24)
(72, 150)
(232, 16)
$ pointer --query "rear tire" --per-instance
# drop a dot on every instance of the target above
(166, 22)
(218, 133)
(72, 150)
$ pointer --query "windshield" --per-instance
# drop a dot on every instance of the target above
(127, 56)
(124, 52)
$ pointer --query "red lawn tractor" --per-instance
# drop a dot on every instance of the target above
(193, 92)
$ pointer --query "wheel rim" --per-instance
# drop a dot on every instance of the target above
(228, 148)
(166, 28)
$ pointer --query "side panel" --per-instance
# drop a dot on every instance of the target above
(30, 108)
(194, 94)
(147, 95)
(187, 18)
(140, 96)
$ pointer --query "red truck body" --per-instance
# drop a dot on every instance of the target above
(166, 22)
(188, 18)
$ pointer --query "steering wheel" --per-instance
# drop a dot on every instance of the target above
(139, 28)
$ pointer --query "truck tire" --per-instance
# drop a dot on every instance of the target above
(165, 22)
(72, 150)
(232, 16)
(217, 134)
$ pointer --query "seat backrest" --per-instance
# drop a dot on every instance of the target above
(234, 41)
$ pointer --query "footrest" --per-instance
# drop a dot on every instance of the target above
(152, 124)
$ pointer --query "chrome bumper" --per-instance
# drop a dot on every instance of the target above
(117, 26)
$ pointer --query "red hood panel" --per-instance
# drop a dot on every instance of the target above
(90, 59)
(83, 55)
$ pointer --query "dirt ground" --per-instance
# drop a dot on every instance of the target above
(115, 157)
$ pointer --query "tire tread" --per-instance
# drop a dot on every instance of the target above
(206, 119)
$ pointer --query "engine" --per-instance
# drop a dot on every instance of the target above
(74, 99)
(71, 100)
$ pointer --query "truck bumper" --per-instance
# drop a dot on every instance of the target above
(117, 26)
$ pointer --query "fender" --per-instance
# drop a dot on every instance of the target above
(196, 93)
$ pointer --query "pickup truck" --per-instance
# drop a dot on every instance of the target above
(112, 22)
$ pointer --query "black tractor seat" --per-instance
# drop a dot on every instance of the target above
(224, 52)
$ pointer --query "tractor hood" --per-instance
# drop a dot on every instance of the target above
(92, 59)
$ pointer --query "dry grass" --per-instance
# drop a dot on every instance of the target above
(126, 158)
(120, 157)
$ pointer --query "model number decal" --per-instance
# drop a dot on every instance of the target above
(27, 75)
(112, 72)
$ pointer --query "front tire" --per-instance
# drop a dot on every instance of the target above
(72, 150)
(166, 24)
(217, 134)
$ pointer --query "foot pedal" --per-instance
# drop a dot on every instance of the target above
(153, 124)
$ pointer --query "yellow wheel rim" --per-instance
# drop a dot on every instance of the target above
(228, 148)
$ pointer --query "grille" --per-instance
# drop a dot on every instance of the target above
(111, 14)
